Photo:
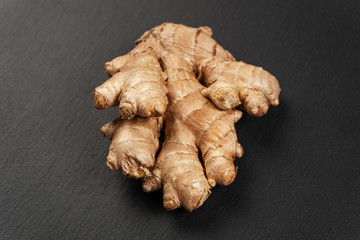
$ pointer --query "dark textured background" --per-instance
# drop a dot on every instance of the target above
(299, 177)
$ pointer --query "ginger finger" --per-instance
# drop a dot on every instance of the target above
(139, 88)
(255, 87)
(142, 132)
(115, 65)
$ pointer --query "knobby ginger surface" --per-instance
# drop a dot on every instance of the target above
(180, 79)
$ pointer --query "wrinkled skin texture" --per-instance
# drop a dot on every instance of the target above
(158, 84)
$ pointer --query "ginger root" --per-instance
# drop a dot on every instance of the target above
(161, 82)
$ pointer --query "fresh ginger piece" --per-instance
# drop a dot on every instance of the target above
(137, 84)
(193, 123)
(233, 83)
(125, 134)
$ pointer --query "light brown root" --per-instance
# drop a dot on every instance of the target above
(232, 83)
(162, 78)
(133, 162)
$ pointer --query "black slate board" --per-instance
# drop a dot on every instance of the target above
(299, 177)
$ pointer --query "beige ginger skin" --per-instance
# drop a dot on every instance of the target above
(179, 77)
